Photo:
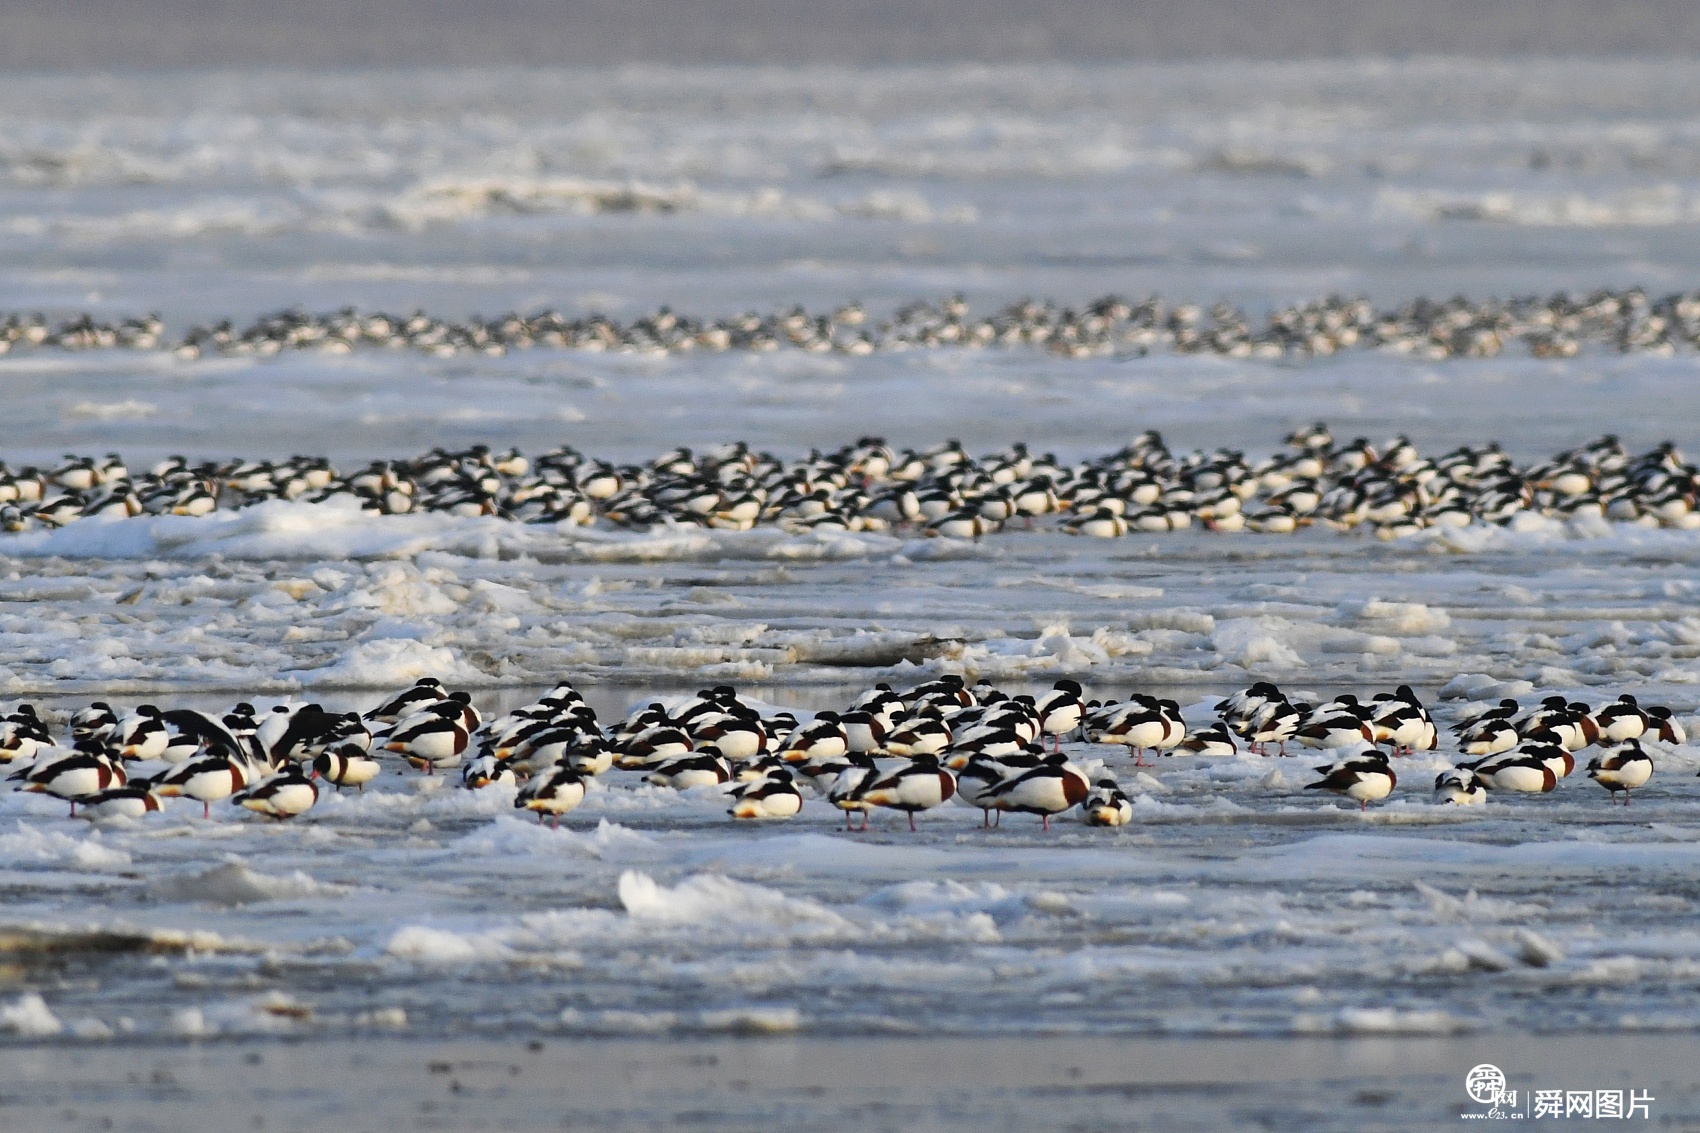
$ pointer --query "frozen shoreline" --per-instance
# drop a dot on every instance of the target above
(1363, 1084)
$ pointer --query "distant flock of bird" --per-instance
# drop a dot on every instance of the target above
(907, 751)
(1629, 321)
(1390, 489)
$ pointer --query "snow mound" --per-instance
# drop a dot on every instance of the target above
(435, 946)
(235, 884)
(385, 663)
(1255, 643)
(713, 899)
(30, 1018)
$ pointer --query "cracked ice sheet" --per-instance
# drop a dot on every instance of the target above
(1236, 904)
(1610, 614)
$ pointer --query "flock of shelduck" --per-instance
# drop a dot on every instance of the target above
(1555, 326)
(1389, 489)
(908, 751)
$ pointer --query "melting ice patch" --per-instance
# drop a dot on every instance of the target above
(234, 883)
(1378, 1021)
(713, 900)
(510, 837)
(29, 1017)
(1255, 643)
(437, 946)
(42, 846)
(386, 663)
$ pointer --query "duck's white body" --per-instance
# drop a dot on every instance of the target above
(552, 793)
(1459, 787)
(1106, 805)
(1623, 768)
(347, 766)
(704, 768)
(1363, 780)
(282, 796)
(119, 802)
(207, 779)
(774, 795)
(1517, 772)
(920, 786)
(1051, 788)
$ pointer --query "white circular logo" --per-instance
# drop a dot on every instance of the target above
(1485, 1083)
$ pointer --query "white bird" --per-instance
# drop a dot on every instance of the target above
(1459, 786)
(1516, 770)
(433, 738)
(977, 781)
(1401, 721)
(1468, 718)
(553, 792)
(653, 746)
(1214, 740)
(487, 771)
(704, 767)
(1106, 805)
(866, 731)
(346, 766)
(591, 756)
(737, 737)
(1100, 523)
(119, 802)
(142, 734)
(96, 722)
(921, 785)
(426, 690)
(71, 775)
(1364, 779)
(1489, 736)
(194, 733)
(282, 796)
(271, 729)
(1621, 720)
(849, 787)
(545, 746)
(1669, 730)
(820, 738)
(919, 735)
(1622, 768)
(22, 736)
(1141, 723)
(774, 795)
(994, 743)
(1558, 759)
(1243, 705)
(1050, 788)
(1333, 732)
(1061, 710)
(208, 779)
(1273, 723)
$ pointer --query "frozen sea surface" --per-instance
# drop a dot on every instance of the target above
(1234, 905)
(713, 189)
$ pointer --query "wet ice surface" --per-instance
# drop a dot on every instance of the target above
(210, 604)
(713, 188)
(1234, 904)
